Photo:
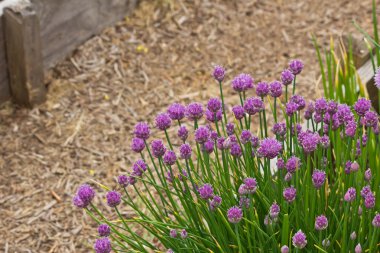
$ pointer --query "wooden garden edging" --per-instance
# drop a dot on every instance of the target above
(37, 34)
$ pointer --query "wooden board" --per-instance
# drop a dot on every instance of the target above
(4, 84)
(67, 24)
(64, 25)
(24, 54)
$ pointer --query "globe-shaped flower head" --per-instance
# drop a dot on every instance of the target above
(296, 66)
(321, 223)
(218, 73)
(289, 194)
(242, 82)
(287, 77)
(238, 112)
(269, 148)
(234, 214)
(299, 240)
(104, 230)
(194, 111)
(176, 111)
(275, 89)
(142, 130)
(362, 106)
(102, 245)
(262, 89)
(163, 121)
(113, 198)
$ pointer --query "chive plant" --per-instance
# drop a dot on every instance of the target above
(303, 185)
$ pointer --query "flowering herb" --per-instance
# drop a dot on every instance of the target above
(217, 187)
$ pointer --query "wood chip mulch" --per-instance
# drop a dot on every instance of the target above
(162, 53)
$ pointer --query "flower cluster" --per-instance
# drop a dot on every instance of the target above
(222, 182)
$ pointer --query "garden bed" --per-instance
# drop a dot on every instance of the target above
(129, 73)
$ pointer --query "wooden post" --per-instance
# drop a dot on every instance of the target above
(24, 55)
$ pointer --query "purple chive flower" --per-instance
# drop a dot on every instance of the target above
(279, 129)
(176, 111)
(296, 66)
(255, 141)
(369, 200)
(318, 178)
(214, 104)
(122, 180)
(299, 100)
(185, 151)
(288, 177)
(86, 194)
(104, 230)
(253, 105)
(242, 82)
(113, 198)
(325, 141)
(309, 141)
(208, 146)
(289, 194)
(299, 240)
(220, 143)
(139, 167)
(206, 191)
(183, 133)
(250, 185)
(163, 121)
(321, 223)
(376, 221)
(291, 108)
(170, 158)
(183, 234)
(158, 148)
(370, 119)
(293, 164)
(368, 175)
(350, 194)
(230, 129)
(351, 129)
(235, 150)
(238, 111)
(131, 180)
(262, 89)
(214, 135)
(365, 191)
(215, 202)
(269, 148)
(78, 202)
(245, 136)
(213, 116)
(194, 111)
(280, 163)
(377, 78)
(244, 202)
(362, 106)
(142, 130)
(320, 105)
(275, 89)
(358, 248)
(234, 214)
(137, 145)
(218, 73)
(332, 107)
(354, 166)
(173, 233)
(202, 134)
(102, 245)
(274, 210)
(284, 249)
(287, 77)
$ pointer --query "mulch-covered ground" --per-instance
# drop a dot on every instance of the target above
(162, 53)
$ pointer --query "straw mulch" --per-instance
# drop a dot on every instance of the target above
(163, 53)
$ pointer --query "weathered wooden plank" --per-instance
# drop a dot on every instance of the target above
(23, 47)
(67, 24)
(4, 84)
